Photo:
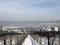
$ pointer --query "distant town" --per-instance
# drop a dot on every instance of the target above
(30, 27)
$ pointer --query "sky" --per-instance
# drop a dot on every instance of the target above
(29, 10)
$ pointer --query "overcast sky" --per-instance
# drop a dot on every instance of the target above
(29, 10)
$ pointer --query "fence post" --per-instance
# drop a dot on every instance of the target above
(4, 40)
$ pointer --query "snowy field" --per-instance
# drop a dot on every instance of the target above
(29, 41)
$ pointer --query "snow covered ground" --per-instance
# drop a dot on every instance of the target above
(29, 41)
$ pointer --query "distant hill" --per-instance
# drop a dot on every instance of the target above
(57, 21)
(27, 22)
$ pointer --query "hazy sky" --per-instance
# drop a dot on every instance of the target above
(29, 10)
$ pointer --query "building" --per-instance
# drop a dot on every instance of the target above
(52, 28)
(56, 29)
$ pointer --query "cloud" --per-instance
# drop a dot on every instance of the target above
(29, 9)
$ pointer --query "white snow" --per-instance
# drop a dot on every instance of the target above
(29, 41)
